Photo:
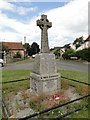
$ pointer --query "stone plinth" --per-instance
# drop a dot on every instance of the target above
(44, 64)
(44, 77)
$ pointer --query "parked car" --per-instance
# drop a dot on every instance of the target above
(2, 58)
(33, 56)
(1, 62)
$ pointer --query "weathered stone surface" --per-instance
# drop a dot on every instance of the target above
(44, 25)
(44, 77)
(45, 64)
(43, 84)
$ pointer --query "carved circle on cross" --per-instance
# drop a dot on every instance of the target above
(44, 23)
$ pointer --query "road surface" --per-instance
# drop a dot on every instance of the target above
(60, 65)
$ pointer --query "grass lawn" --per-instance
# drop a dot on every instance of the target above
(0, 116)
(83, 113)
(12, 88)
(22, 61)
(78, 61)
(80, 76)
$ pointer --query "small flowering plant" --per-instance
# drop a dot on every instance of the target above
(13, 113)
(57, 99)
(85, 90)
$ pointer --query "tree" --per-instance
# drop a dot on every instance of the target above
(5, 48)
(34, 49)
(78, 42)
(57, 53)
(69, 53)
(27, 47)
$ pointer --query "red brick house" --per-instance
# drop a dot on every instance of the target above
(14, 48)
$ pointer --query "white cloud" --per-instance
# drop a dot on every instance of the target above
(68, 22)
(13, 24)
(6, 6)
(23, 10)
(13, 8)
(38, 0)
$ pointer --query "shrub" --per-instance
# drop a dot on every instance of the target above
(17, 55)
(81, 54)
(84, 54)
(69, 53)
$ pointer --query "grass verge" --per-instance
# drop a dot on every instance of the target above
(22, 61)
(12, 88)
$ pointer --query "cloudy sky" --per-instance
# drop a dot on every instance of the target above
(18, 19)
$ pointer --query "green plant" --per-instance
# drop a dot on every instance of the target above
(69, 53)
(5, 48)
(83, 54)
(34, 49)
(78, 42)
(57, 53)
(17, 55)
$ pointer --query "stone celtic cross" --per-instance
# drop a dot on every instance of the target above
(44, 25)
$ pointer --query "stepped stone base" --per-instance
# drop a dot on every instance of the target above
(44, 77)
(42, 84)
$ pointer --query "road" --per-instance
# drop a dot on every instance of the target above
(72, 66)
(60, 65)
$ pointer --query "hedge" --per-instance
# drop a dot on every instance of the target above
(69, 53)
(81, 54)
(84, 54)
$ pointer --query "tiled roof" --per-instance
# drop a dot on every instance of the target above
(14, 45)
(67, 45)
(88, 39)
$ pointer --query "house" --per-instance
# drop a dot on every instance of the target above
(52, 50)
(14, 48)
(66, 47)
(86, 44)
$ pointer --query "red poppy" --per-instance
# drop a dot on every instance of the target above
(85, 89)
(14, 110)
(53, 96)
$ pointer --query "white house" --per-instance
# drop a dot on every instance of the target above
(65, 47)
(86, 44)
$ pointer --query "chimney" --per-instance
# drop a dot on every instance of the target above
(24, 39)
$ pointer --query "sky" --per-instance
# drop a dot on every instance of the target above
(18, 19)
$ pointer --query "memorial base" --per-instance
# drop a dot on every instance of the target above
(44, 77)
(44, 84)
